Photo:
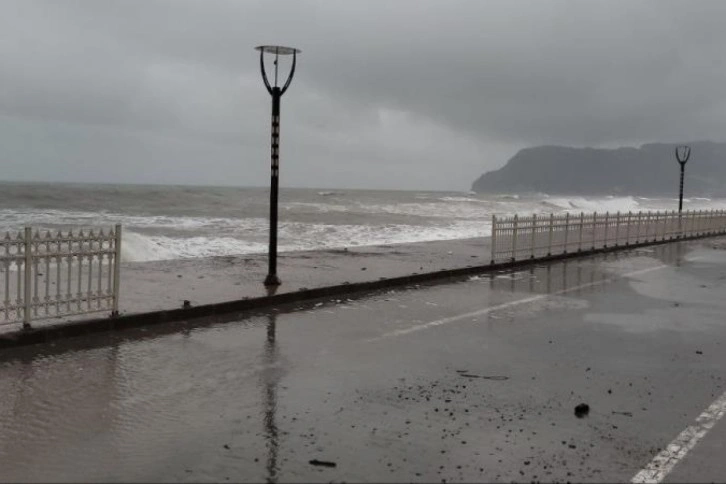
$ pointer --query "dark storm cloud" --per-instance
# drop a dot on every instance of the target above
(409, 94)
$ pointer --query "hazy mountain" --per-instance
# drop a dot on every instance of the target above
(651, 169)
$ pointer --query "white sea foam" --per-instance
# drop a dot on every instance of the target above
(138, 247)
(581, 204)
(42, 218)
(446, 210)
(461, 199)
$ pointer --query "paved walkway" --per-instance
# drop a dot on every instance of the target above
(474, 380)
(150, 286)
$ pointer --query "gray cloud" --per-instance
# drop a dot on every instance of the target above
(404, 94)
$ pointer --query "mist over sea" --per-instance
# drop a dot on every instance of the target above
(172, 222)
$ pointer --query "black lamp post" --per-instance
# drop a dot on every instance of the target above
(683, 153)
(276, 93)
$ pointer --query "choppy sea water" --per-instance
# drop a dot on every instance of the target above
(172, 222)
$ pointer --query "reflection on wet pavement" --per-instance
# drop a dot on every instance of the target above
(481, 398)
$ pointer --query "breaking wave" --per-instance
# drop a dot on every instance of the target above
(137, 247)
(581, 204)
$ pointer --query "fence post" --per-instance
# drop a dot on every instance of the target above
(647, 225)
(699, 222)
(694, 217)
(697, 218)
(605, 235)
(579, 237)
(549, 241)
(567, 232)
(594, 229)
(637, 228)
(28, 253)
(532, 237)
(514, 237)
(116, 270)
(617, 228)
(685, 224)
(673, 218)
(494, 237)
(666, 223)
(627, 227)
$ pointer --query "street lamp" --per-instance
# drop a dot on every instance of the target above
(276, 93)
(683, 153)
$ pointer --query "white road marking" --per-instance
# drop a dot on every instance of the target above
(663, 463)
(458, 317)
(518, 302)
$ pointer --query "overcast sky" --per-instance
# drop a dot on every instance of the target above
(410, 94)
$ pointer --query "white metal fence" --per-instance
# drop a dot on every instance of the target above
(58, 274)
(517, 238)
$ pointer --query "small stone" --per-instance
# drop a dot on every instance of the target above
(582, 410)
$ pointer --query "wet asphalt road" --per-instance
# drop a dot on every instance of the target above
(474, 380)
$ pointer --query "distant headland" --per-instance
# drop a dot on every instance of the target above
(650, 169)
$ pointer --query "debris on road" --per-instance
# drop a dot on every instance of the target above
(582, 410)
(466, 374)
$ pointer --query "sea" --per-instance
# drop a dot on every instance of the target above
(179, 222)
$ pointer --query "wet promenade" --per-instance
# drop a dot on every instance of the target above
(472, 380)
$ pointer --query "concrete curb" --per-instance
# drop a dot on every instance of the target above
(77, 328)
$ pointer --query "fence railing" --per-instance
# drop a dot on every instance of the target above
(516, 238)
(58, 274)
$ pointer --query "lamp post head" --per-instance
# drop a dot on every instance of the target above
(277, 51)
(683, 153)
